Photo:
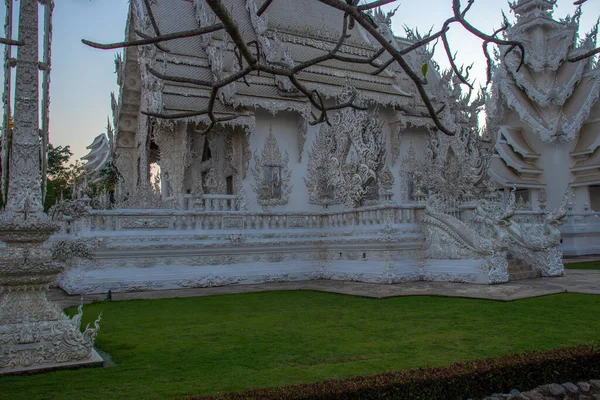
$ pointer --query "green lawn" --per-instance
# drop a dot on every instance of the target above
(177, 347)
(584, 265)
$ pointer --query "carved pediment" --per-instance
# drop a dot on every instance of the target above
(547, 42)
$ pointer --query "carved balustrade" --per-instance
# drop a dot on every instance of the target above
(216, 216)
(583, 217)
(529, 217)
(206, 202)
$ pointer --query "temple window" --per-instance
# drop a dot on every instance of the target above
(203, 178)
(229, 184)
(595, 197)
(206, 153)
(272, 174)
(273, 180)
(522, 195)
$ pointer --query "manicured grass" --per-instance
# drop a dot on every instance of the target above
(173, 348)
(584, 265)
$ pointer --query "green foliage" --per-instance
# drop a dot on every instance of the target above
(108, 176)
(424, 69)
(584, 265)
(61, 175)
(174, 348)
(57, 158)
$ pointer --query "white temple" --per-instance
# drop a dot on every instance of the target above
(374, 195)
(545, 120)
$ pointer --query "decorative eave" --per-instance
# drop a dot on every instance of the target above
(246, 122)
(513, 161)
(559, 128)
(517, 141)
(589, 140)
(507, 177)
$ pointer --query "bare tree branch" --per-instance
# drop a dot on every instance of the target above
(514, 44)
(158, 45)
(488, 58)
(452, 60)
(585, 55)
(375, 4)
(170, 36)
(264, 7)
(251, 58)
(10, 42)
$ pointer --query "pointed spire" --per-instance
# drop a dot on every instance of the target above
(525, 8)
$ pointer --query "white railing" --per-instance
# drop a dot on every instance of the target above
(529, 217)
(572, 217)
(583, 217)
(206, 202)
(215, 219)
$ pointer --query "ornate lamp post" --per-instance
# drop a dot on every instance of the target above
(34, 333)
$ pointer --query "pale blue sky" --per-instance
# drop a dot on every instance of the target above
(82, 78)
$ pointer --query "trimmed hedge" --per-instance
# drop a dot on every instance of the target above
(462, 380)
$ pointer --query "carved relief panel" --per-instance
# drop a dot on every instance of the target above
(271, 174)
(351, 155)
(212, 170)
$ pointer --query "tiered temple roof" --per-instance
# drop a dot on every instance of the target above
(548, 103)
(289, 32)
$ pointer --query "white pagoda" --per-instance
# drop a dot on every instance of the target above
(544, 119)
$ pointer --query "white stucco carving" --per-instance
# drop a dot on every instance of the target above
(34, 333)
(271, 174)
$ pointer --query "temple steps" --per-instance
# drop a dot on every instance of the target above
(518, 270)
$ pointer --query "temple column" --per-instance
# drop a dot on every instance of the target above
(164, 185)
(174, 150)
(34, 333)
(24, 190)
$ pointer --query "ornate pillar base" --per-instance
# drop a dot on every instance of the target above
(34, 333)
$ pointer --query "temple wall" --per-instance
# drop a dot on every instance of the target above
(555, 162)
(284, 127)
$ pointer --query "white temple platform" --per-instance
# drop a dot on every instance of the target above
(581, 234)
(145, 250)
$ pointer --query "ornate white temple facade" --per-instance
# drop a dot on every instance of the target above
(544, 120)
(374, 194)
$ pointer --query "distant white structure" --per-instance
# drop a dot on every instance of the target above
(545, 120)
(98, 157)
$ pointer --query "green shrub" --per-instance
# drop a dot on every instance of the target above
(462, 380)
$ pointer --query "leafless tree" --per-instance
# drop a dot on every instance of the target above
(251, 58)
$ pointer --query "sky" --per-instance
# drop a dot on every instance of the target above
(83, 78)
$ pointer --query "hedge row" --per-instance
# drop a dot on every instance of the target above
(463, 380)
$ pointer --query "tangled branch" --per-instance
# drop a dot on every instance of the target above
(251, 58)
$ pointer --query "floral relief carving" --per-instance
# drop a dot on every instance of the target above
(320, 191)
(208, 281)
(348, 157)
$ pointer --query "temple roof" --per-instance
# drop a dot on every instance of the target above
(296, 30)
